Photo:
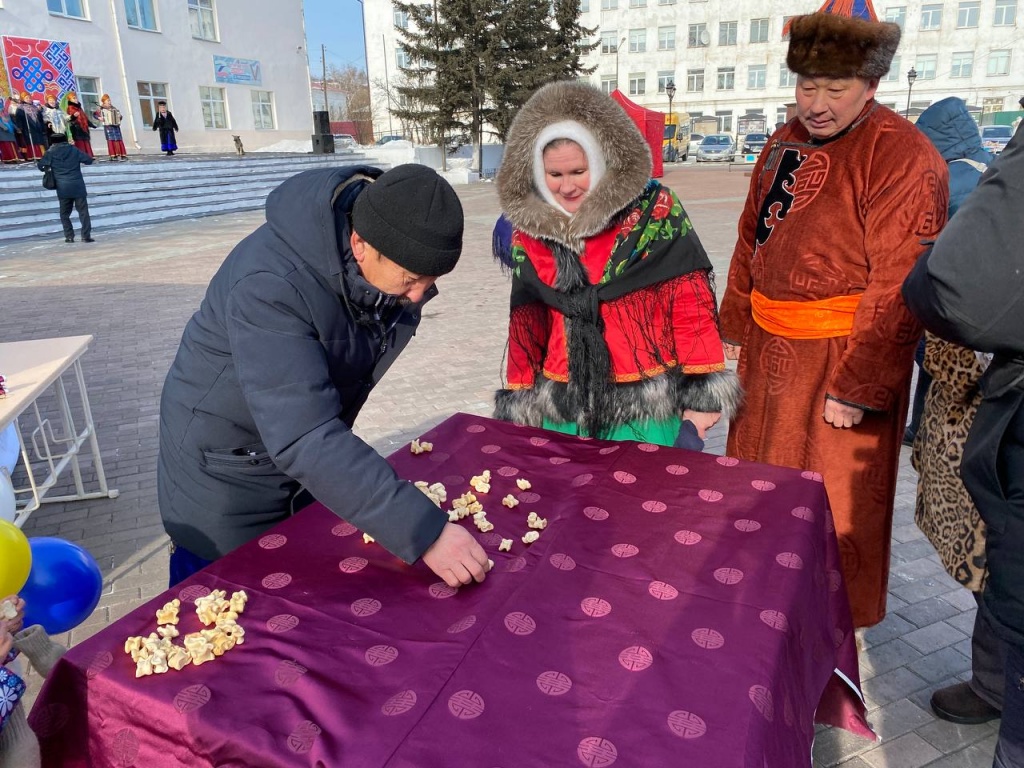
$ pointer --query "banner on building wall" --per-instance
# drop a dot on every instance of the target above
(37, 67)
(237, 71)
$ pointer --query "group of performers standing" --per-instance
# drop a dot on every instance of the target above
(27, 127)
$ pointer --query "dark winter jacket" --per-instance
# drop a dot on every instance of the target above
(166, 124)
(950, 127)
(66, 161)
(970, 290)
(270, 375)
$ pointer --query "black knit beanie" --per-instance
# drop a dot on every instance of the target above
(413, 217)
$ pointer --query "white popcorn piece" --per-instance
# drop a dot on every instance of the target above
(505, 546)
(484, 525)
(438, 490)
(169, 613)
(490, 564)
(530, 536)
(510, 501)
(454, 516)
(7, 610)
(143, 667)
(368, 539)
(535, 521)
(417, 447)
(524, 484)
(238, 601)
(481, 483)
(167, 631)
(178, 658)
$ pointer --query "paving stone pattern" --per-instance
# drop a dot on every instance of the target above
(134, 289)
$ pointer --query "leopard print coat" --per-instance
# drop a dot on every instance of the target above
(944, 511)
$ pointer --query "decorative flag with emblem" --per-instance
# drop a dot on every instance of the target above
(33, 65)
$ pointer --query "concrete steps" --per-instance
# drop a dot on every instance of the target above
(154, 188)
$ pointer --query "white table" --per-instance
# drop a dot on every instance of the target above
(31, 368)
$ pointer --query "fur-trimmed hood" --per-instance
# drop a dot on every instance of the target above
(831, 45)
(592, 119)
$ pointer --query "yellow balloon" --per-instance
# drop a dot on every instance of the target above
(15, 559)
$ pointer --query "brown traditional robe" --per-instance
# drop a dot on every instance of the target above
(824, 219)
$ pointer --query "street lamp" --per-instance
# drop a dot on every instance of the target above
(670, 89)
(911, 77)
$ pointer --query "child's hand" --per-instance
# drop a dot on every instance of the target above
(702, 420)
(14, 623)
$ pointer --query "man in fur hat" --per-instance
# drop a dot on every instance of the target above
(839, 203)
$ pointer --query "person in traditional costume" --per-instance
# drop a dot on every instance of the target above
(8, 144)
(167, 125)
(80, 124)
(18, 123)
(30, 120)
(613, 328)
(840, 200)
(55, 118)
(110, 116)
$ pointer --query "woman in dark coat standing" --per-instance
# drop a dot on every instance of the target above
(167, 125)
(970, 290)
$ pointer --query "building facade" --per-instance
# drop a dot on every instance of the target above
(728, 59)
(213, 61)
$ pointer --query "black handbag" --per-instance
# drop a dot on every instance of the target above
(49, 180)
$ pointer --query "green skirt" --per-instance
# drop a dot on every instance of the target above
(646, 431)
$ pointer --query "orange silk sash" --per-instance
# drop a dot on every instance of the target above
(822, 319)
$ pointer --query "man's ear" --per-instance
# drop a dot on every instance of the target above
(358, 246)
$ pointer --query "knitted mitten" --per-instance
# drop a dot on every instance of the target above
(40, 649)
(19, 747)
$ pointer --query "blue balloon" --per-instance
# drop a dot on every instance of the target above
(63, 586)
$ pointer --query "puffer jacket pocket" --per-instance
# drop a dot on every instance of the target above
(249, 460)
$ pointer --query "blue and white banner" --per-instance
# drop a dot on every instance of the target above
(238, 71)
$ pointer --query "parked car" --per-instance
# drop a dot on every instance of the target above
(717, 147)
(387, 140)
(995, 137)
(344, 140)
(754, 143)
(695, 140)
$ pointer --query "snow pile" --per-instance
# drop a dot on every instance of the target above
(295, 146)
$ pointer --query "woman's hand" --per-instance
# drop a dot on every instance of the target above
(732, 351)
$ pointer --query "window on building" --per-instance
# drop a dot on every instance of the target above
(963, 64)
(925, 66)
(787, 79)
(694, 80)
(263, 110)
(608, 83)
(584, 6)
(1006, 13)
(637, 40)
(637, 84)
(401, 19)
(666, 38)
(609, 5)
(403, 59)
(724, 120)
(88, 92)
(73, 8)
(202, 20)
(664, 78)
(666, 2)
(610, 42)
(990, 105)
(140, 14)
(931, 17)
(759, 30)
(149, 95)
(726, 78)
(893, 75)
(998, 63)
(214, 110)
(727, 32)
(967, 14)
(897, 14)
(637, 3)
(757, 76)
(697, 36)
(780, 115)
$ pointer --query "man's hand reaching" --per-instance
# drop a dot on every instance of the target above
(457, 557)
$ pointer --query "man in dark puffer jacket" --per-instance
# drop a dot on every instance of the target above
(298, 325)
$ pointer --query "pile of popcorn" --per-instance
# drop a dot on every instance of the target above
(156, 654)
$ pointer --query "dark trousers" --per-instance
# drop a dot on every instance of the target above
(1010, 747)
(82, 206)
(183, 564)
(988, 659)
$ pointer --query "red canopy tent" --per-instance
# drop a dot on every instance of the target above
(651, 125)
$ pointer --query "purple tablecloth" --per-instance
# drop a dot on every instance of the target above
(679, 609)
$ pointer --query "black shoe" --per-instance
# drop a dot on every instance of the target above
(908, 437)
(69, 239)
(959, 704)
(88, 240)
